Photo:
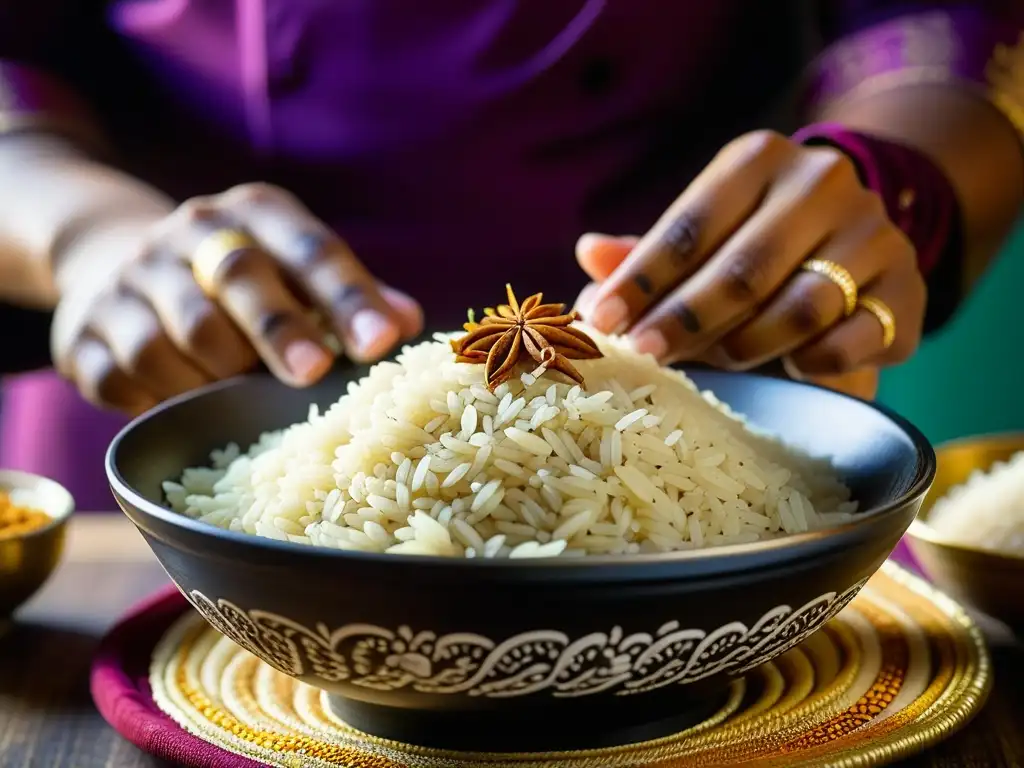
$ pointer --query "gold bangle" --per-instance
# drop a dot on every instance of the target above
(839, 275)
(213, 251)
(885, 317)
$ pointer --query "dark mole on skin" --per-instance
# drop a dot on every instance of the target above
(681, 238)
(272, 322)
(310, 247)
(687, 318)
(346, 293)
(643, 282)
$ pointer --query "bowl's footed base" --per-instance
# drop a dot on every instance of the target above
(537, 729)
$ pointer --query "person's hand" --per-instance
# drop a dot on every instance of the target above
(133, 327)
(719, 278)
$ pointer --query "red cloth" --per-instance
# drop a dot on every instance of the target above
(120, 688)
(120, 684)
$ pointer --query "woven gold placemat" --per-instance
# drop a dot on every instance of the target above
(900, 668)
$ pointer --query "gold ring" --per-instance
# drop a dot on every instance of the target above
(885, 316)
(839, 275)
(213, 251)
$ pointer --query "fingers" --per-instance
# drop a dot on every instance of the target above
(407, 309)
(326, 270)
(711, 209)
(251, 288)
(586, 299)
(755, 263)
(719, 277)
(102, 382)
(134, 335)
(858, 341)
(808, 304)
(157, 332)
(252, 293)
(344, 291)
(600, 255)
(196, 325)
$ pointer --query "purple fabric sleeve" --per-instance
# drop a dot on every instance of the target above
(878, 45)
(919, 199)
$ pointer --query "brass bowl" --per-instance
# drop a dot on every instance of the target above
(991, 582)
(28, 559)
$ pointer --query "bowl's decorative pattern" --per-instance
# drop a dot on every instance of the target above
(584, 654)
(526, 663)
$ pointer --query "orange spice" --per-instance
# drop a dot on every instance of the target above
(17, 520)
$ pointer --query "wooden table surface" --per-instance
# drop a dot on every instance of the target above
(47, 719)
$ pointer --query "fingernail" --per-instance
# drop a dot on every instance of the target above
(410, 313)
(791, 370)
(587, 242)
(651, 342)
(610, 315)
(397, 298)
(373, 334)
(585, 300)
(306, 360)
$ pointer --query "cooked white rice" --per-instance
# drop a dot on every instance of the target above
(420, 458)
(987, 511)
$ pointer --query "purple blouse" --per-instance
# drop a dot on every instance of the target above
(476, 137)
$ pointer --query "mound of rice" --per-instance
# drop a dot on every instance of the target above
(987, 511)
(420, 458)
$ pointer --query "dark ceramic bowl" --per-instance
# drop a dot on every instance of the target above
(28, 560)
(520, 654)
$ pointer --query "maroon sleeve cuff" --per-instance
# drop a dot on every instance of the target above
(919, 199)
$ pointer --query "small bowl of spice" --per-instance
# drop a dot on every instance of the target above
(33, 514)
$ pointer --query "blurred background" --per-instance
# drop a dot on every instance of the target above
(968, 378)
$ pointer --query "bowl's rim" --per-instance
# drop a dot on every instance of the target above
(921, 531)
(925, 475)
(16, 479)
(1014, 437)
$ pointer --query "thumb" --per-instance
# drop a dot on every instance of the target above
(585, 299)
(600, 255)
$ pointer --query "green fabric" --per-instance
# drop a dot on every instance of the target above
(968, 379)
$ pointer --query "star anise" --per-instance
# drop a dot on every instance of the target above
(513, 333)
